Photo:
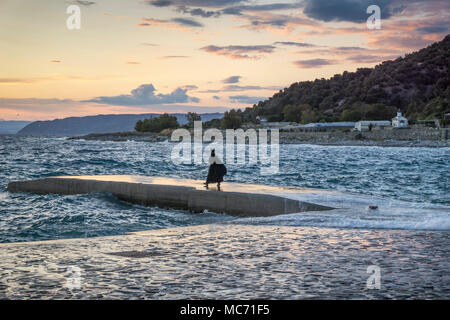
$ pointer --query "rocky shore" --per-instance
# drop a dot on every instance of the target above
(123, 136)
(412, 137)
(387, 143)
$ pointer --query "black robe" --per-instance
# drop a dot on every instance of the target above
(216, 173)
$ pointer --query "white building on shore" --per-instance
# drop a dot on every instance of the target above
(369, 124)
(399, 121)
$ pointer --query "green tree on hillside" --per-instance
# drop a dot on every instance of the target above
(191, 117)
(213, 123)
(275, 118)
(310, 115)
(292, 113)
(380, 111)
(351, 115)
(157, 124)
(231, 120)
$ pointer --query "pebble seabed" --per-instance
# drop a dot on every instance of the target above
(231, 261)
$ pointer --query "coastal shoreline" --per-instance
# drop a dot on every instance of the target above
(319, 138)
(374, 143)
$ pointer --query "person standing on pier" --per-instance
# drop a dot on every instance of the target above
(216, 170)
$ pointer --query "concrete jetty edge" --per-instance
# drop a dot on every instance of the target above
(177, 196)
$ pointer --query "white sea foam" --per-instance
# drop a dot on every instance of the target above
(337, 219)
(353, 212)
(3, 196)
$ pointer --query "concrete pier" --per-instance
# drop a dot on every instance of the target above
(234, 198)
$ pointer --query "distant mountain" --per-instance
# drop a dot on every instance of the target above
(12, 127)
(418, 84)
(98, 124)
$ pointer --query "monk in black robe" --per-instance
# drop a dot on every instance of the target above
(216, 170)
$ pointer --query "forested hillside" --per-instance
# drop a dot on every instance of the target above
(418, 84)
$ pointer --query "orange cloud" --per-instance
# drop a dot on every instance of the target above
(181, 24)
(240, 52)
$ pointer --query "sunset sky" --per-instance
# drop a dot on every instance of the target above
(139, 56)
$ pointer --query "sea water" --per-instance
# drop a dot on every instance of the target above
(409, 185)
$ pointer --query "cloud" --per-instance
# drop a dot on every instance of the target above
(353, 54)
(313, 63)
(281, 23)
(297, 44)
(31, 101)
(240, 52)
(160, 3)
(194, 3)
(83, 3)
(400, 41)
(199, 12)
(238, 10)
(185, 109)
(32, 108)
(44, 109)
(227, 7)
(16, 80)
(189, 87)
(366, 58)
(53, 77)
(173, 57)
(148, 44)
(436, 27)
(203, 13)
(55, 61)
(187, 22)
(345, 10)
(232, 79)
(153, 21)
(175, 23)
(216, 97)
(132, 62)
(235, 11)
(234, 87)
(404, 18)
(242, 88)
(246, 99)
(273, 22)
(145, 95)
(349, 48)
